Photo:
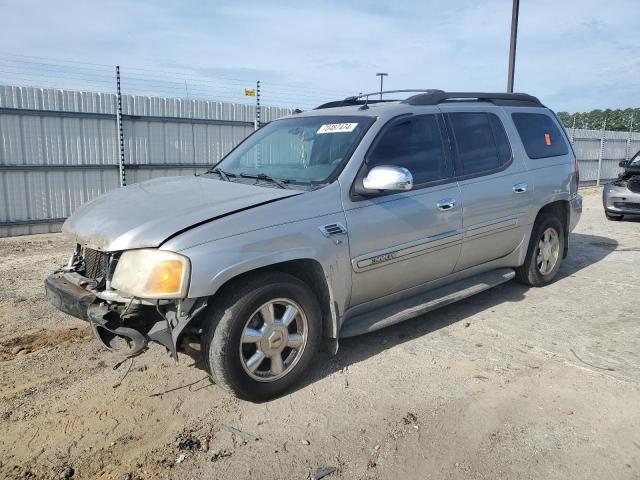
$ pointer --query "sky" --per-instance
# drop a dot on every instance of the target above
(575, 55)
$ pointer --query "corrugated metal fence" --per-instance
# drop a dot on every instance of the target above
(600, 151)
(59, 148)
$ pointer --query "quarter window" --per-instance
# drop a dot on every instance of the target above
(414, 143)
(480, 140)
(540, 135)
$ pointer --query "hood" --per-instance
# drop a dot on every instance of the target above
(148, 213)
(632, 169)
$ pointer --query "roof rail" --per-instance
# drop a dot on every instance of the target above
(423, 91)
(435, 97)
(356, 99)
(503, 99)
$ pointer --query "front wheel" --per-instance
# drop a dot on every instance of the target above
(259, 340)
(544, 254)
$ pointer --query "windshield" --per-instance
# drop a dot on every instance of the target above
(299, 150)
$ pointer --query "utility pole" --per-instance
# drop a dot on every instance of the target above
(512, 46)
(381, 75)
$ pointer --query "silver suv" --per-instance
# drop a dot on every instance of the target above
(325, 224)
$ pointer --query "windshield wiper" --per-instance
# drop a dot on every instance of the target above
(262, 176)
(223, 175)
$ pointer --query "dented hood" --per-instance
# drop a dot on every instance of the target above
(148, 213)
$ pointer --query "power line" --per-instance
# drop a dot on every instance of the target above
(146, 90)
(137, 91)
(153, 85)
(55, 59)
(242, 81)
(23, 69)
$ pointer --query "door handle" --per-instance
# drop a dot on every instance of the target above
(520, 188)
(446, 204)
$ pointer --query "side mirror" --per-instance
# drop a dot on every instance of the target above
(624, 164)
(387, 178)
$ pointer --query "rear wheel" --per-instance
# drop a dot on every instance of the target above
(260, 338)
(613, 216)
(544, 254)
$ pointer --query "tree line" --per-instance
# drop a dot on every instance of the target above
(619, 120)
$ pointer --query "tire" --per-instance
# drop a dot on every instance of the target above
(612, 216)
(531, 272)
(229, 357)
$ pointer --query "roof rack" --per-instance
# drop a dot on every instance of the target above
(504, 99)
(435, 97)
(356, 99)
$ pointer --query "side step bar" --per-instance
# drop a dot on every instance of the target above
(425, 302)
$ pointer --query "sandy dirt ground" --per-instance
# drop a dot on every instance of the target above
(514, 383)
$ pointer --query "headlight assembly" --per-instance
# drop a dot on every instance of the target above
(151, 273)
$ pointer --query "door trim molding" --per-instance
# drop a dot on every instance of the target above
(404, 251)
(494, 226)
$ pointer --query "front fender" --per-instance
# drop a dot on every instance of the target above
(215, 263)
(254, 262)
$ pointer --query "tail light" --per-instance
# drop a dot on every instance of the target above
(577, 170)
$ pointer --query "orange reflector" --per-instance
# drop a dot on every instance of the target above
(547, 139)
(166, 277)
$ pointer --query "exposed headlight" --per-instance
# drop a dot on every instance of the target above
(151, 273)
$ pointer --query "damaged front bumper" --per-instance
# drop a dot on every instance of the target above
(67, 292)
(124, 328)
(618, 199)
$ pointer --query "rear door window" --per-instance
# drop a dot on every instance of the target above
(540, 135)
(414, 143)
(480, 141)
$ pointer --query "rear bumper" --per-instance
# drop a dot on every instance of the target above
(576, 211)
(64, 291)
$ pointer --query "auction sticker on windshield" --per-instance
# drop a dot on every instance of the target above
(337, 127)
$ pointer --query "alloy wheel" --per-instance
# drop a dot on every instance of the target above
(548, 251)
(273, 340)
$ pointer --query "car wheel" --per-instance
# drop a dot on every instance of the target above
(613, 216)
(262, 335)
(544, 254)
